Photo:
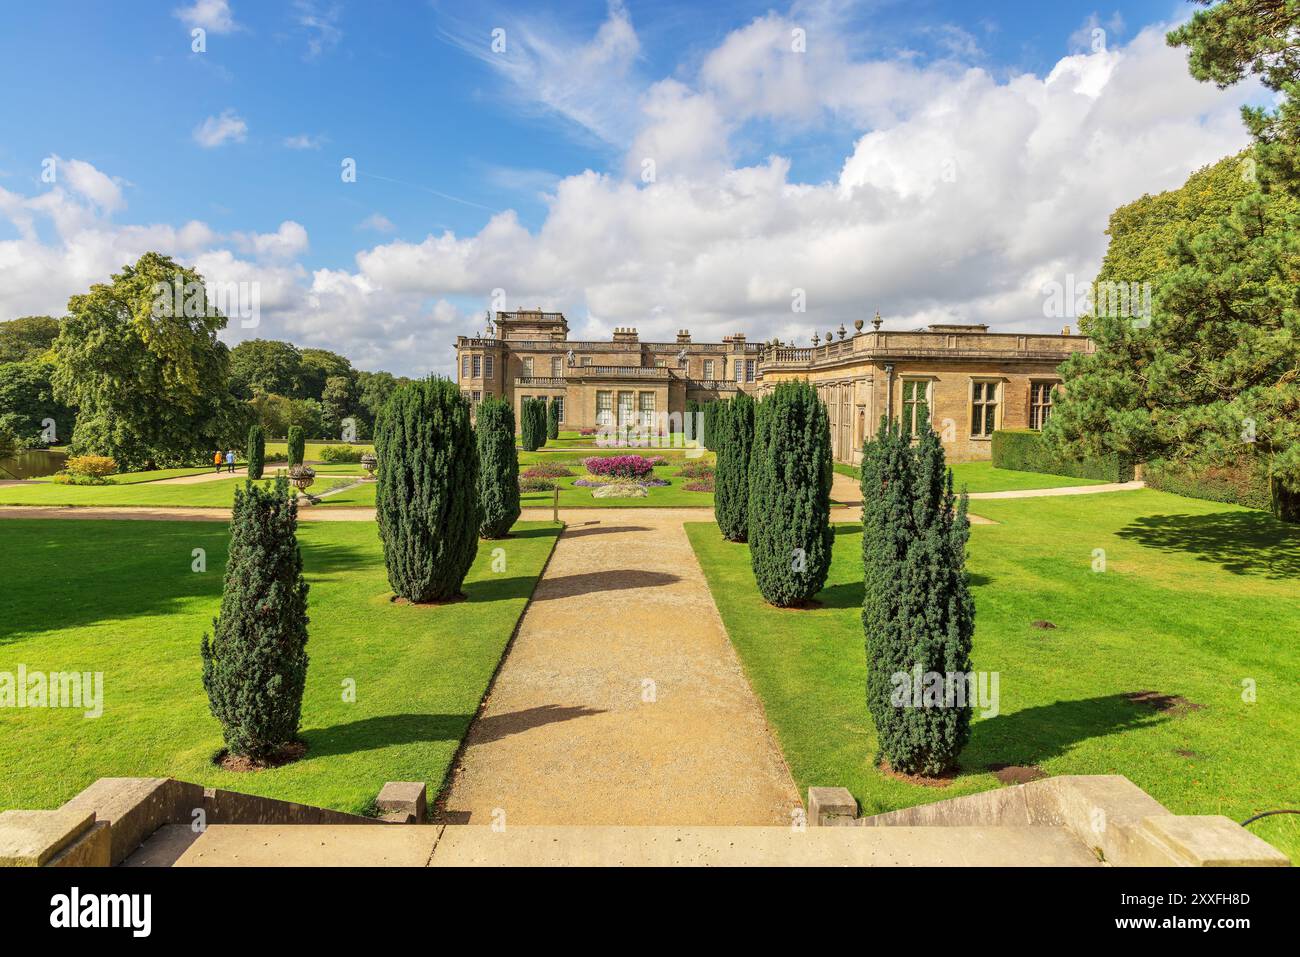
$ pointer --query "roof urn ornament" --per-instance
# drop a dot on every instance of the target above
(857, 326)
(816, 340)
(875, 323)
(842, 331)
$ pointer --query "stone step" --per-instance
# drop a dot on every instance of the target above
(545, 845)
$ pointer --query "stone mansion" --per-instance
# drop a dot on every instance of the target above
(965, 380)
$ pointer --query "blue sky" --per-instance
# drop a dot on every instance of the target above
(471, 161)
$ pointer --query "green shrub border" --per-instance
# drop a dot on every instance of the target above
(1234, 485)
(1024, 450)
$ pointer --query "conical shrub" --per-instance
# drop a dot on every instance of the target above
(917, 611)
(498, 468)
(426, 490)
(255, 665)
(735, 423)
(297, 445)
(256, 452)
(790, 535)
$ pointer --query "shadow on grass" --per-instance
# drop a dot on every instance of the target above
(383, 731)
(1033, 735)
(1244, 543)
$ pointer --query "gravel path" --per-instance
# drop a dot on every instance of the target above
(621, 700)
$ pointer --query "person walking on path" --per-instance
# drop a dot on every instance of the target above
(230, 460)
(216, 460)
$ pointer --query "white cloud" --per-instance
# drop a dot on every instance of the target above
(212, 15)
(962, 193)
(321, 24)
(377, 222)
(589, 82)
(83, 178)
(216, 130)
(304, 141)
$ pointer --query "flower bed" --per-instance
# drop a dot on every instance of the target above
(535, 484)
(696, 470)
(619, 466)
(701, 485)
(546, 470)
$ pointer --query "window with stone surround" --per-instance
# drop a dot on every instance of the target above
(557, 367)
(528, 367)
(646, 408)
(984, 399)
(586, 360)
(464, 366)
(916, 405)
(1040, 403)
(708, 369)
(604, 407)
(558, 402)
(626, 408)
(478, 367)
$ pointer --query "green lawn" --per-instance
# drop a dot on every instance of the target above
(983, 477)
(215, 494)
(119, 597)
(310, 449)
(1196, 598)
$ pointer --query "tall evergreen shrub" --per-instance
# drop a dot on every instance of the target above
(297, 445)
(256, 452)
(790, 535)
(917, 610)
(731, 478)
(498, 468)
(552, 420)
(255, 665)
(426, 491)
(533, 427)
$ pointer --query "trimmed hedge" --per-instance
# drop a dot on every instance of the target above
(552, 420)
(1024, 450)
(1233, 485)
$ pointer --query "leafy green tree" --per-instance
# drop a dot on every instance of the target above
(264, 366)
(27, 339)
(256, 453)
(27, 402)
(790, 536)
(1211, 381)
(917, 611)
(337, 404)
(255, 665)
(318, 365)
(373, 390)
(498, 470)
(149, 381)
(426, 495)
(297, 442)
(1234, 39)
(552, 420)
(735, 424)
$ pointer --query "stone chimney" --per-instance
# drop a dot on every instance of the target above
(683, 336)
(626, 335)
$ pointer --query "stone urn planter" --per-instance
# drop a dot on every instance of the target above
(368, 462)
(302, 477)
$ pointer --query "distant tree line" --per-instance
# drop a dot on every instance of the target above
(116, 378)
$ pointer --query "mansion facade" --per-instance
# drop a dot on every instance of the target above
(963, 379)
